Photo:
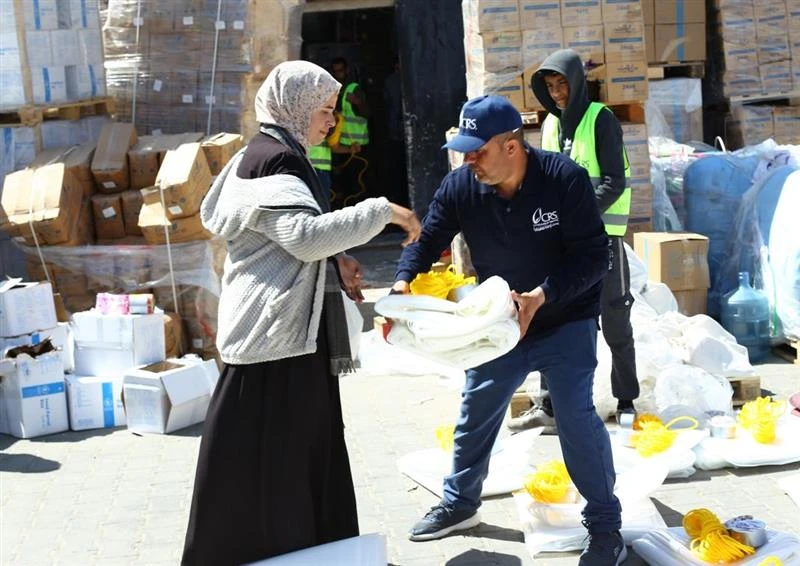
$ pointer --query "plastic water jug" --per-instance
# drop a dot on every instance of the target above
(745, 314)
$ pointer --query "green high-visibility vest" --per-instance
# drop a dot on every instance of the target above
(354, 129)
(320, 156)
(584, 154)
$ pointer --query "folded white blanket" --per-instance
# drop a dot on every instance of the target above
(479, 328)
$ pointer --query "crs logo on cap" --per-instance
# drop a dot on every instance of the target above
(468, 123)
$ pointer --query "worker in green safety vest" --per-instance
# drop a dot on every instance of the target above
(352, 104)
(320, 155)
(590, 134)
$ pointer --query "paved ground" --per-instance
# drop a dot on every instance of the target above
(111, 497)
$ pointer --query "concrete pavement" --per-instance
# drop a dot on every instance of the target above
(114, 498)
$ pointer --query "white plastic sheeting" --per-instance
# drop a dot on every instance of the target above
(670, 547)
(365, 550)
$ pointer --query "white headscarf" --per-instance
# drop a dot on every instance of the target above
(291, 93)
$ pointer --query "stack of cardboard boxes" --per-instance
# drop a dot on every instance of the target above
(163, 56)
(102, 371)
(675, 30)
(750, 124)
(507, 40)
(680, 261)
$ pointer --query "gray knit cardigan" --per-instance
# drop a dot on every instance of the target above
(274, 277)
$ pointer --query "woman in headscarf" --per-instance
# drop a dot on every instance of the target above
(273, 473)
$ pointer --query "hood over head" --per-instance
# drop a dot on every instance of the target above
(291, 93)
(568, 63)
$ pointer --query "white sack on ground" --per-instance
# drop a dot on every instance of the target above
(508, 466)
(364, 550)
(692, 387)
(466, 334)
(637, 270)
(671, 546)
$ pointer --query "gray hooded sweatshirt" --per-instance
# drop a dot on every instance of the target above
(607, 131)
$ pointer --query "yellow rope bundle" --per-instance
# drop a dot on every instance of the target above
(444, 437)
(550, 483)
(439, 283)
(642, 418)
(654, 437)
(771, 561)
(760, 417)
(710, 539)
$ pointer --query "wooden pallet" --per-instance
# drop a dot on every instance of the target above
(676, 69)
(629, 112)
(79, 109)
(22, 116)
(745, 389)
(789, 351)
(793, 96)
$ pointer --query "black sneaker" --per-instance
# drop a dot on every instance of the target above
(604, 549)
(442, 520)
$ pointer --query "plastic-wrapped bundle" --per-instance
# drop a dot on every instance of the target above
(195, 65)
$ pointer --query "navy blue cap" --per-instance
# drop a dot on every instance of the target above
(481, 119)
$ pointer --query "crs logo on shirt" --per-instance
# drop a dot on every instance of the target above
(544, 220)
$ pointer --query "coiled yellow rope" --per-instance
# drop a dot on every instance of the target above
(771, 561)
(654, 437)
(439, 284)
(760, 417)
(710, 539)
(642, 418)
(550, 483)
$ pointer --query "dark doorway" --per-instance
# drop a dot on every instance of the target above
(366, 38)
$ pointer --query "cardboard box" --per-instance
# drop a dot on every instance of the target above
(60, 336)
(539, 44)
(648, 12)
(131, 206)
(680, 11)
(625, 82)
(481, 16)
(581, 13)
(111, 344)
(741, 82)
(77, 159)
(168, 396)
(108, 218)
(94, 402)
(49, 196)
(539, 14)
(174, 339)
(531, 102)
(184, 179)
(152, 221)
(679, 260)
(773, 48)
(750, 124)
(81, 231)
(650, 43)
(219, 149)
(110, 162)
(587, 41)
(506, 85)
(496, 52)
(635, 138)
(636, 225)
(26, 308)
(739, 57)
(680, 42)
(771, 16)
(32, 399)
(534, 138)
(692, 301)
(619, 11)
(776, 76)
(624, 42)
(146, 156)
(786, 121)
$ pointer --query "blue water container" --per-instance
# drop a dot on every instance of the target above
(745, 314)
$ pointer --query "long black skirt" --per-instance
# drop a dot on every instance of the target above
(273, 474)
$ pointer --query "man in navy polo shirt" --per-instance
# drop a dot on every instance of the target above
(530, 217)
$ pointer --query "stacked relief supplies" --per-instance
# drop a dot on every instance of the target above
(195, 65)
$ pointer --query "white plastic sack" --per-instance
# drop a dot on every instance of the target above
(637, 270)
(678, 459)
(464, 334)
(744, 452)
(508, 466)
(692, 387)
(355, 323)
(671, 546)
(660, 297)
(707, 345)
(365, 550)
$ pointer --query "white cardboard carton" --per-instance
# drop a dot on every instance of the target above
(60, 336)
(32, 398)
(112, 344)
(26, 307)
(94, 402)
(170, 395)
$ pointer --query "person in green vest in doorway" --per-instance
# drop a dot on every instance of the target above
(590, 134)
(320, 155)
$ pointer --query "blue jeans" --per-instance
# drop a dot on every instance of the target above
(567, 359)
